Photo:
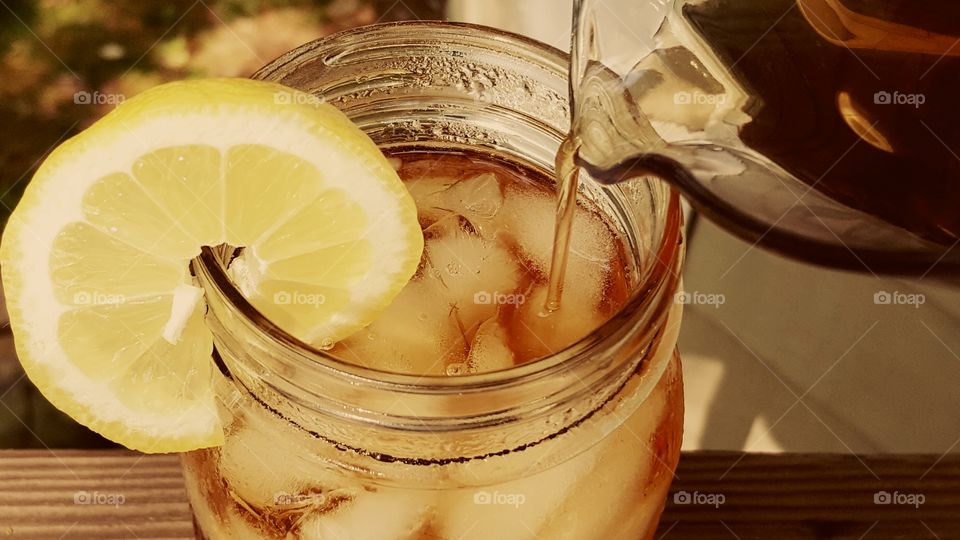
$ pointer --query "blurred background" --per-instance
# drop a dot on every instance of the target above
(65, 63)
(778, 356)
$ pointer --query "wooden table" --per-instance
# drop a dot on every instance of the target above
(715, 495)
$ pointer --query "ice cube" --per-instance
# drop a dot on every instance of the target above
(426, 192)
(489, 350)
(536, 334)
(480, 195)
(373, 513)
(528, 219)
(625, 461)
(265, 458)
(515, 510)
(478, 199)
(474, 272)
(417, 334)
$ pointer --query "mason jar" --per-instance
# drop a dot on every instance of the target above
(581, 444)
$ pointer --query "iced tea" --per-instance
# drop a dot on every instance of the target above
(467, 410)
(474, 306)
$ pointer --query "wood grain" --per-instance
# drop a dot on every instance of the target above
(796, 496)
(77, 494)
(68, 494)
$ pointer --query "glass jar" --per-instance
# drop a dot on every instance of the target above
(581, 444)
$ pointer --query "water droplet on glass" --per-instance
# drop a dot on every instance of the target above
(327, 344)
(456, 368)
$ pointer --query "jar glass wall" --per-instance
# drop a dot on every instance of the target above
(580, 444)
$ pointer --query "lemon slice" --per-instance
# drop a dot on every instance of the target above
(107, 319)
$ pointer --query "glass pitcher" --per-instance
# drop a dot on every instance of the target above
(823, 129)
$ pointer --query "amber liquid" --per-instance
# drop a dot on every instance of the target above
(476, 302)
(868, 112)
(568, 175)
(278, 479)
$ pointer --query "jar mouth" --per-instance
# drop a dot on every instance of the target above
(433, 28)
(648, 304)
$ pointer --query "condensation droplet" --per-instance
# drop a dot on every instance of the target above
(326, 344)
(456, 368)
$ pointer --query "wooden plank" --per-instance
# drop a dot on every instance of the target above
(715, 495)
(92, 494)
(796, 496)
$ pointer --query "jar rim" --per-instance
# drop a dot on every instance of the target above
(661, 274)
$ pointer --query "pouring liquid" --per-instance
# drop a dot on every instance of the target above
(838, 120)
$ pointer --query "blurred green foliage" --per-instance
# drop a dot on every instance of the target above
(50, 49)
